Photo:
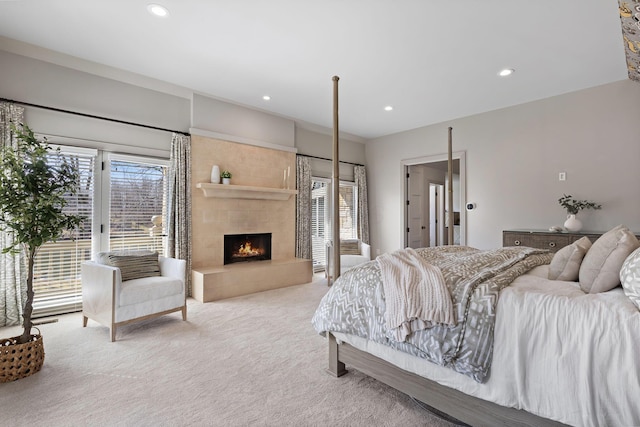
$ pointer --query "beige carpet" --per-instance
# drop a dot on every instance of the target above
(253, 360)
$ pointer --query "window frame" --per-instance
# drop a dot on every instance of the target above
(100, 206)
(105, 207)
(319, 261)
(70, 297)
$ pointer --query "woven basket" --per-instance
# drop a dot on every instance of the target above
(20, 360)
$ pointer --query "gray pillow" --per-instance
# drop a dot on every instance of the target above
(132, 264)
(600, 269)
(630, 277)
(565, 264)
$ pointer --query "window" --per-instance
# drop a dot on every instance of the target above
(321, 217)
(57, 264)
(348, 211)
(133, 205)
(137, 203)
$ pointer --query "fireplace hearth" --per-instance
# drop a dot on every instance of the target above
(247, 247)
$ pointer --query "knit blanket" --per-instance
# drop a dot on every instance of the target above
(357, 304)
(416, 294)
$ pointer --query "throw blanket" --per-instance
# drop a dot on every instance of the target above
(356, 304)
(416, 294)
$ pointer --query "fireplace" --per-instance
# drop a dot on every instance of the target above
(247, 247)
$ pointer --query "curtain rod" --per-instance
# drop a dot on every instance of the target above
(91, 116)
(329, 160)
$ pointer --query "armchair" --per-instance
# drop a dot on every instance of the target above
(114, 302)
(352, 252)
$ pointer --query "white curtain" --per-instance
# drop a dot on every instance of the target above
(303, 208)
(13, 274)
(179, 229)
(360, 175)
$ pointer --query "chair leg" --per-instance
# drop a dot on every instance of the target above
(184, 312)
(113, 333)
(84, 321)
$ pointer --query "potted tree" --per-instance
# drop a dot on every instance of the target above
(34, 180)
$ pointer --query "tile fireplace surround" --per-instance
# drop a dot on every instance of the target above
(213, 216)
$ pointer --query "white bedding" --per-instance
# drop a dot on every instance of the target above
(558, 353)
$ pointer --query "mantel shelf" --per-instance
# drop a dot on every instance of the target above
(244, 192)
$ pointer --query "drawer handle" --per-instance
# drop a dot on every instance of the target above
(552, 244)
(517, 242)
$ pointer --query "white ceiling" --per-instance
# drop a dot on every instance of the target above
(432, 60)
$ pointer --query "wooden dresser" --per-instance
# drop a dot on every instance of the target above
(543, 239)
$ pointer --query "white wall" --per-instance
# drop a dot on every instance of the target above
(513, 158)
(39, 82)
(117, 94)
(237, 121)
(319, 144)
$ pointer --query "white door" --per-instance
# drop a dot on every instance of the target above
(434, 170)
(415, 208)
(435, 192)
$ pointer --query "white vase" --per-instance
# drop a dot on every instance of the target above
(215, 174)
(226, 181)
(572, 223)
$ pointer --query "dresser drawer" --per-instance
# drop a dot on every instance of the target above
(551, 241)
(592, 237)
(541, 239)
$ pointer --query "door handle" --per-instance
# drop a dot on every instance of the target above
(423, 227)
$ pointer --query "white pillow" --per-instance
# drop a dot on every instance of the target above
(600, 269)
(565, 264)
(630, 277)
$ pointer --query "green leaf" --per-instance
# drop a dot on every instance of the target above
(34, 181)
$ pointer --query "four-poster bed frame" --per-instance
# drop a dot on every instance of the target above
(461, 406)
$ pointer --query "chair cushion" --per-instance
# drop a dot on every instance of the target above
(149, 288)
(132, 264)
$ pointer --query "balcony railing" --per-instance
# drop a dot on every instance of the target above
(57, 282)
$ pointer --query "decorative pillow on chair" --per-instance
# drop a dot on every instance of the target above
(132, 264)
(630, 277)
(349, 247)
(600, 269)
(565, 264)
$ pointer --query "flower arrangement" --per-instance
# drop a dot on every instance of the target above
(574, 206)
(225, 174)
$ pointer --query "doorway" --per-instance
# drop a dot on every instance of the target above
(417, 208)
(426, 188)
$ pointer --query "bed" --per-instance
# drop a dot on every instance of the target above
(536, 351)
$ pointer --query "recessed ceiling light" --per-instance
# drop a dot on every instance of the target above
(388, 108)
(157, 10)
(506, 72)
(266, 97)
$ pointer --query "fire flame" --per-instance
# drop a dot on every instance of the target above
(248, 250)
